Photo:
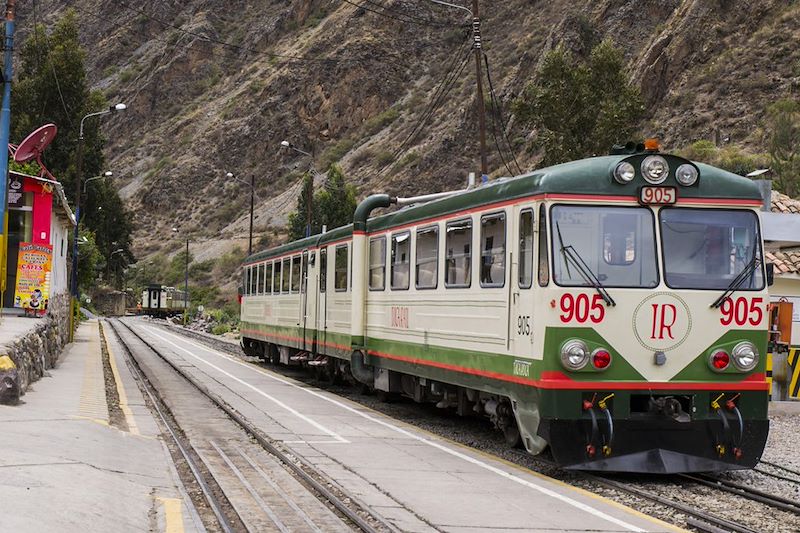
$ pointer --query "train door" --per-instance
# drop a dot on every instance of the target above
(303, 307)
(521, 284)
(321, 314)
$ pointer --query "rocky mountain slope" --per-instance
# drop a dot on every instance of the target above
(215, 87)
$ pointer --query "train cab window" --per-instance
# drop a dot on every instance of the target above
(296, 276)
(525, 278)
(458, 254)
(612, 245)
(285, 276)
(377, 263)
(493, 250)
(427, 274)
(401, 260)
(268, 278)
(544, 262)
(323, 269)
(340, 269)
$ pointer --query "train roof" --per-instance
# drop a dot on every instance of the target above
(591, 177)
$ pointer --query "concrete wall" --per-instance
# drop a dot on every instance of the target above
(788, 286)
(40, 348)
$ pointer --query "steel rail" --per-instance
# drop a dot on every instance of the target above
(744, 491)
(715, 521)
(208, 494)
(284, 459)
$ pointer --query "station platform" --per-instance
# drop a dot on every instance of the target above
(63, 467)
(416, 481)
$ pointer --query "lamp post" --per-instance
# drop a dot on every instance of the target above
(310, 189)
(103, 175)
(78, 172)
(252, 185)
(185, 283)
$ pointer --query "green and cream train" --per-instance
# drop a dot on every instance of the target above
(613, 308)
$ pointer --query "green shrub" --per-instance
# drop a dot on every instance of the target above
(219, 329)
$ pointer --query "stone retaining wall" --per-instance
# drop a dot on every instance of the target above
(40, 349)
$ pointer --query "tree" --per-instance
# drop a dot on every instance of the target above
(52, 88)
(783, 145)
(579, 109)
(334, 205)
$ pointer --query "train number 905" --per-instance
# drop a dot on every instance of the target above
(581, 309)
(741, 311)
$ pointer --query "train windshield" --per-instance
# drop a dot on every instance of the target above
(709, 248)
(616, 243)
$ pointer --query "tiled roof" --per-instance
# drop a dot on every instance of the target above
(785, 262)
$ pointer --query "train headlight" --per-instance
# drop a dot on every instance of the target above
(624, 172)
(574, 354)
(655, 169)
(686, 174)
(719, 360)
(745, 356)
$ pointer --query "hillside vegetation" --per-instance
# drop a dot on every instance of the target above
(215, 87)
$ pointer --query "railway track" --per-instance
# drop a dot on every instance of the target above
(695, 518)
(275, 505)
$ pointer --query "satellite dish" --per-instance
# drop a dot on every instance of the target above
(33, 146)
(35, 143)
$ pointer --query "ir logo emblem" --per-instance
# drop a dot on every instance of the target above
(662, 322)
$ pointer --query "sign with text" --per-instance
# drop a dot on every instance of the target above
(16, 195)
(33, 276)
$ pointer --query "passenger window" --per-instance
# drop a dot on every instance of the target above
(253, 279)
(304, 275)
(493, 250)
(276, 285)
(526, 249)
(401, 260)
(544, 263)
(458, 246)
(340, 273)
(377, 264)
(427, 275)
(323, 269)
(268, 279)
(285, 277)
(260, 282)
(247, 276)
(296, 274)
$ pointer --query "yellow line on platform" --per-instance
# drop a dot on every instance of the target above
(123, 398)
(173, 514)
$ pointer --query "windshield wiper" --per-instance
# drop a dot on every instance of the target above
(572, 255)
(738, 281)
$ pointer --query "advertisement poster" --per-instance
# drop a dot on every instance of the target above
(33, 277)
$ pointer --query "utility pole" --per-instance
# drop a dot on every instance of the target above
(309, 201)
(5, 127)
(477, 47)
(252, 200)
(186, 286)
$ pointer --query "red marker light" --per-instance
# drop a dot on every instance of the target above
(601, 359)
(720, 360)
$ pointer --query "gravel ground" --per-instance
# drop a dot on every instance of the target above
(478, 433)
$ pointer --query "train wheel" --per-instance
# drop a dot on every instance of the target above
(511, 435)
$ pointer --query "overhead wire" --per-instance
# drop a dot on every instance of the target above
(386, 10)
(501, 123)
(444, 88)
(241, 48)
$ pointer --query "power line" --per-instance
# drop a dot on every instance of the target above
(444, 88)
(501, 123)
(236, 46)
(407, 17)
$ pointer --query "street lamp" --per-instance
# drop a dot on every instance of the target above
(252, 184)
(104, 175)
(185, 282)
(78, 172)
